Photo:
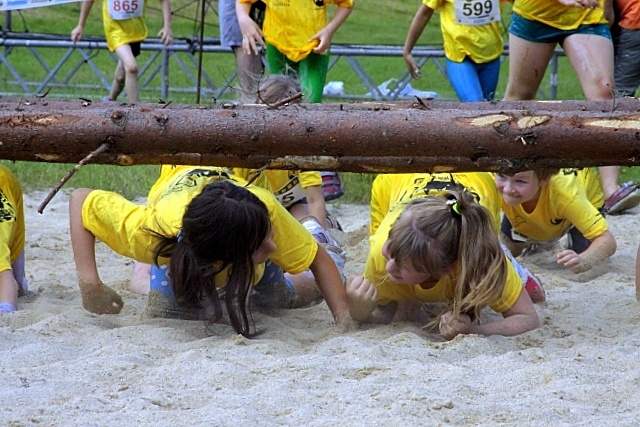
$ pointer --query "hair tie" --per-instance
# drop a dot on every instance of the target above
(454, 205)
(180, 236)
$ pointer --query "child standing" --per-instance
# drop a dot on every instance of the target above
(543, 205)
(472, 33)
(297, 36)
(13, 282)
(125, 29)
(432, 242)
(214, 232)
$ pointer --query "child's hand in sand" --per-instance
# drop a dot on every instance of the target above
(572, 261)
(450, 327)
(362, 296)
(104, 300)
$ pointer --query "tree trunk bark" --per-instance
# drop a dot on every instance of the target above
(367, 137)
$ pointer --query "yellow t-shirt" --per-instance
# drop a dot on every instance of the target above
(557, 15)
(481, 43)
(124, 226)
(287, 185)
(570, 198)
(390, 195)
(443, 291)
(125, 31)
(391, 191)
(289, 24)
(12, 229)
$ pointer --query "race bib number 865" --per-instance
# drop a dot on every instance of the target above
(125, 9)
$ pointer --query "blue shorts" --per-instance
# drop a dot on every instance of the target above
(538, 32)
(273, 290)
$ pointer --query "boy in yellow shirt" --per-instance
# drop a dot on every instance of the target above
(541, 206)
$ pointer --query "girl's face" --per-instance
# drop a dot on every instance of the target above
(267, 247)
(517, 189)
(405, 275)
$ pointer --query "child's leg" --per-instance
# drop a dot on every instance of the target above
(118, 82)
(465, 81)
(489, 74)
(96, 297)
(530, 282)
(313, 75)
(278, 63)
(140, 279)
(277, 289)
(514, 247)
(130, 68)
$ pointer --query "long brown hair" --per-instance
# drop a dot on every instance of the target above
(439, 234)
(222, 227)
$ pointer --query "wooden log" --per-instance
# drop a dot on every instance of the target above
(367, 137)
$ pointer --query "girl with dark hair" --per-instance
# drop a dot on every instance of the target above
(436, 243)
(205, 231)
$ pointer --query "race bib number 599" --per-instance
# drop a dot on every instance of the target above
(477, 12)
(125, 9)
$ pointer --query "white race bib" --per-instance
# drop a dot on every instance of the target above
(120, 10)
(477, 12)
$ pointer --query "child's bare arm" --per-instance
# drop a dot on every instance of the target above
(165, 34)
(8, 291)
(363, 302)
(520, 318)
(76, 34)
(600, 250)
(330, 283)
(326, 34)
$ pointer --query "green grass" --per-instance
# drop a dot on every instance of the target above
(372, 22)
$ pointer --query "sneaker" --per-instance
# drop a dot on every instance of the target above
(626, 197)
(331, 186)
(534, 289)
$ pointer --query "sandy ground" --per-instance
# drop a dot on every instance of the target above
(62, 366)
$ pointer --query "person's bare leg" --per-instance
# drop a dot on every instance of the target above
(528, 62)
(307, 291)
(140, 281)
(592, 59)
(249, 70)
(130, 67)
(118, 82)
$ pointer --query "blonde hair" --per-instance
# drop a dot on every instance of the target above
(442, 234)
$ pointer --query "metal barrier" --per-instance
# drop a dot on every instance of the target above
(184, 54)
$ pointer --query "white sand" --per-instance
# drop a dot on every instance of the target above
(62, 366)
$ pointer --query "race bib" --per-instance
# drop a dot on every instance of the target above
(477, 12)
(120, 10)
